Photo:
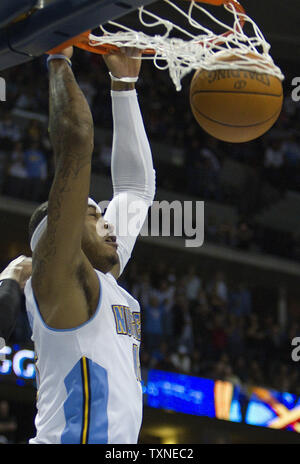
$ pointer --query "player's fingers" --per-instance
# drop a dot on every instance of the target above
(136, 52)
(131, 52)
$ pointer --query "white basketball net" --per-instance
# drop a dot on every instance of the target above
(203, 49)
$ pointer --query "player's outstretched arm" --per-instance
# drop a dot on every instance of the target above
(132, 170)
(58, 254)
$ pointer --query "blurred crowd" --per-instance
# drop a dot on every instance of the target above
(192, 162)
(211, 328)
(206, 327)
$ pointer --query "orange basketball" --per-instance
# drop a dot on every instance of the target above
(235, 105)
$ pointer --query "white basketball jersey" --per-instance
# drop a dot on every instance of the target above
(88, 378)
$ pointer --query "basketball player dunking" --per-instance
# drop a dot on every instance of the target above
(85, 327)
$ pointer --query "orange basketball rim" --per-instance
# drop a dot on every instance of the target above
(82, 40)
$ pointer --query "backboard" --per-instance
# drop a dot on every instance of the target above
(29, 28)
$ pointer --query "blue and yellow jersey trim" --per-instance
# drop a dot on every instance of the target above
(86, 400)
(85, 407)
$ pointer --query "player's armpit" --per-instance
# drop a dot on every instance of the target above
(68, 301)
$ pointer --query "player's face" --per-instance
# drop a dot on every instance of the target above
(98, 241)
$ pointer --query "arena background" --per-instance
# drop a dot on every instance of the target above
(227, 311)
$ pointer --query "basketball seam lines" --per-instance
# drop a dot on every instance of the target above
(240, 92)
(234, 125)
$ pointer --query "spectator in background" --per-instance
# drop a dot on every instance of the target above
(274, 339)
(17, 182)
(9, 132)
(34, 131)
(27, 99)
(172, 275)
(8, 424)
(255, 374)
(193, 163)
(274, 154)
(165, 296)
(218, 335)
(178, 311)
(219, 368)
(161, 358)
(203, 301)
(252, 200)
(211, 228)
(142, 289)
(181, 359)
(241, 368)
(240, 301)
(165, 293)
(36, 165)
(193, 285)
(244, 235)
(289, 106)
(218, 292)
(201, 325)
(180, 286)
(230, 376)
(196, 363)
(255, 338)
(235, 336)
(283, 378)
(186, 337)
(153, 324)
(159, 271)
(274, 160)
(157, 117)
(210, 176)
(291, 148)
(226, 234)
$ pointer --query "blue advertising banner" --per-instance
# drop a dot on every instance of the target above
(186, 394)
(222, 400)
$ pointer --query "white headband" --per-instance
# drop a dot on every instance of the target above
(43, 224)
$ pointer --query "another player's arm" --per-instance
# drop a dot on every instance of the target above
(12, 281)
(58, 255)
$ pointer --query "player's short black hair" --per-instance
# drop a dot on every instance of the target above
(37, 216)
